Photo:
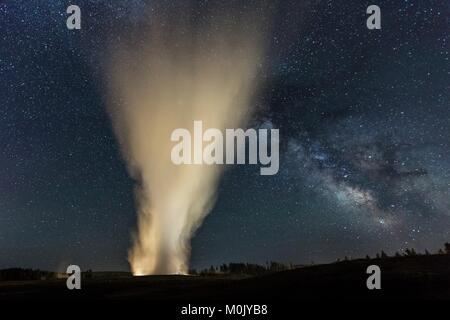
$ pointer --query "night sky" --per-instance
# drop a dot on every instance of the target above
(364, 125)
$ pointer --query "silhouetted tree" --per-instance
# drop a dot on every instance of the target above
(223, 268)
(410, 252)
(193, 272)
(447, 248)
(383, 255)
(88, 274)
(275, 266)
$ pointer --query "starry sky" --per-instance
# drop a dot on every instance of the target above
(364, 125)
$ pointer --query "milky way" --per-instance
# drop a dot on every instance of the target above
(364, 125)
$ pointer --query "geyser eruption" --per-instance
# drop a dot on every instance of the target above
(180, 69)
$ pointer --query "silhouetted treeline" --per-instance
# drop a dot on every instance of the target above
(408, 252)
(256, 269)
(19, 274)
(243, 269)
(16, 274)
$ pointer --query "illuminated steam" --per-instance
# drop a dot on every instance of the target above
(177, 71)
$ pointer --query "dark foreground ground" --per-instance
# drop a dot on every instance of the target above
(418, 277)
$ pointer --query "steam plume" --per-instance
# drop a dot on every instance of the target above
(179, 70)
